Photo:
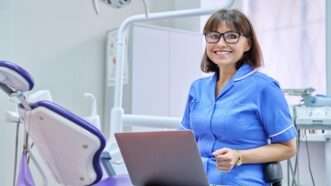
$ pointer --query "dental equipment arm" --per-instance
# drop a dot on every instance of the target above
(308, 98)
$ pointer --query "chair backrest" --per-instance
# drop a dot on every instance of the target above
(70, 145)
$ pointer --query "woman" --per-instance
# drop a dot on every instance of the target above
(238, 115)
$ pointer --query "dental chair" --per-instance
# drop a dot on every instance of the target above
(70, 146)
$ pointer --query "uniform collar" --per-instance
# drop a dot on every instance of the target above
(243, 72)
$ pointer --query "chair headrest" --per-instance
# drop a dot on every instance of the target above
(15, 77)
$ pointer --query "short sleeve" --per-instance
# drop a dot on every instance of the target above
(275, 115)
(185, 123)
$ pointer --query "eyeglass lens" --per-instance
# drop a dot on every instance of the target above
(230, 37)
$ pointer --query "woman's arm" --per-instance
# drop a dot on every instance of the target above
(227, 158)
(269, 153)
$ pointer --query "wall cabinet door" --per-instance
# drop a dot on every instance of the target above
(164, 64)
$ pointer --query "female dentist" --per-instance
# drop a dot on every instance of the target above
(239, 116)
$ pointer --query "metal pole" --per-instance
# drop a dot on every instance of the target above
(328, 84)
(328, 46)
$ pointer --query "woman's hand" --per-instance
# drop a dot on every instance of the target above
(226, 158)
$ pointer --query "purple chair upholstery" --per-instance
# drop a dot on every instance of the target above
(120, 180)
(24, 175)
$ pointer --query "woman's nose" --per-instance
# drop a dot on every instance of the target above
(221, 41)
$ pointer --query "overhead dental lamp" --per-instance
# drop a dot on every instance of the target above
(118, 4)
(112, 3)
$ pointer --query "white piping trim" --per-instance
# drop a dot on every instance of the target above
(246, 75)
(181, 127)
(278, 133)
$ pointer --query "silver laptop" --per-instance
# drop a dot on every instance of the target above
(163, 158)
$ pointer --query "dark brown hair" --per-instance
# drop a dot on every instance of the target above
(239, 23)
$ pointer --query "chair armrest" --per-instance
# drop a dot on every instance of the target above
(273, 173)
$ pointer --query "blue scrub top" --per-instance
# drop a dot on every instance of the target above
(250, 112)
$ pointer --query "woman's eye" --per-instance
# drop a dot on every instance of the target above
(214, 36)
(232, 36)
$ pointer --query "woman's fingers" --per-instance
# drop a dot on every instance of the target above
(225, 159)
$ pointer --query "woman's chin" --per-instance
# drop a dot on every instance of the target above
(224, 63)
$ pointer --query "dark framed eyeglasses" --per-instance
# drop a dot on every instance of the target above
(230, 37)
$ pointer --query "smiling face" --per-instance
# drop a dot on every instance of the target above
(224, 53)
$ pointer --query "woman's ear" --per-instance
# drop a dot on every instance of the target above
(248, 45)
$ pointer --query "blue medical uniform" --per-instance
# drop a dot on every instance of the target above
(250, 112)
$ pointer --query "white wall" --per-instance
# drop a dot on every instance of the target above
(191, 24)
(62, 44)
(160, 6)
